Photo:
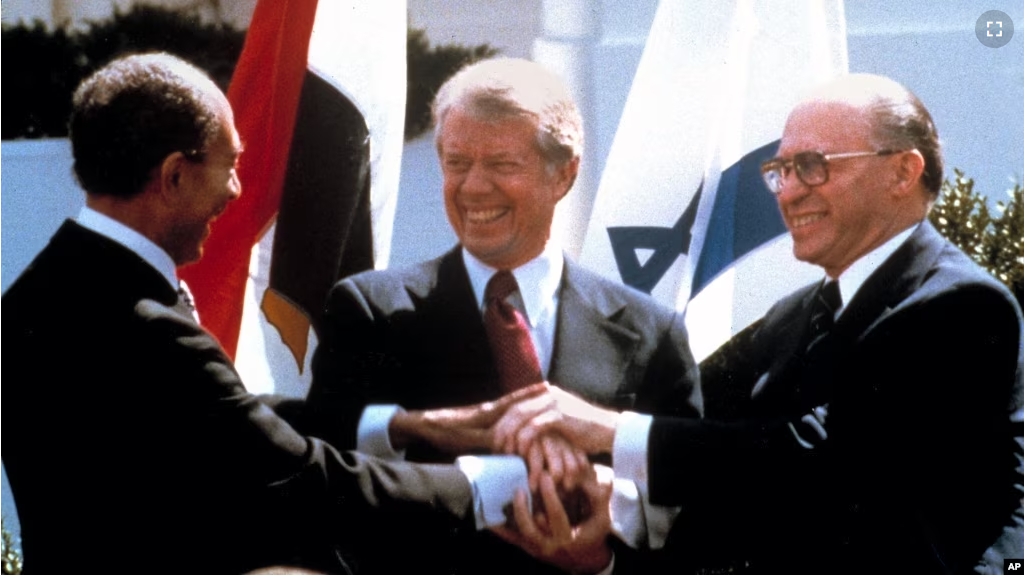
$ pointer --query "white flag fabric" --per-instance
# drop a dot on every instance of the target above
(358, 50)
(681, 211)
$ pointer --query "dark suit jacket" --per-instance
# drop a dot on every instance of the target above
(133, 447)
(919, 468)
(415, 337)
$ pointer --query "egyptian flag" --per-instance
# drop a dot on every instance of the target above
(681, 211)
(319, 96)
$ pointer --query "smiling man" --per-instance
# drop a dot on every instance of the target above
(868, 423)
(129, 433)
(502, 310)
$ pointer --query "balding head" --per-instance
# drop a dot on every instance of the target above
(850, 174)
(897, 118)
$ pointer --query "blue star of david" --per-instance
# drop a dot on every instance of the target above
(668, 245)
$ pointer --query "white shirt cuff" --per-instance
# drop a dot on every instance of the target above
(494, 480)
(372, 433)
(630, 446)
(627, 513)
(635, 520)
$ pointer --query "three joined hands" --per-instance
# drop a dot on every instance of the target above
(554, 431)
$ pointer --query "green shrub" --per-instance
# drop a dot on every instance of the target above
(9, 552)
(427, 69)
(42, 67)
(38, 100)
(995, 242)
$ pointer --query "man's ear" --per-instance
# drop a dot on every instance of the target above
(171, 173)
(567, 175)
(908, 173)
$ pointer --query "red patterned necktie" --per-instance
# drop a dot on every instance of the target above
(508, 335)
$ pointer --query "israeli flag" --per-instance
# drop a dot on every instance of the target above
(681, 211)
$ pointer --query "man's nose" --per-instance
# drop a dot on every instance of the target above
(476, 179)
(235, 186)
(792, 188)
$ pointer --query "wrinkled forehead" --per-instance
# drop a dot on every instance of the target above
(828, 126)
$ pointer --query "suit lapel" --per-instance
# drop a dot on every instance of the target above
(459, 328)
(785, 336)
(592, 350)
(897, 278)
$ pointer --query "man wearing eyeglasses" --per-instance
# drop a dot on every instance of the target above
(869, 422)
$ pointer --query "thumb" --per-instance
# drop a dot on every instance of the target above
(503, 403)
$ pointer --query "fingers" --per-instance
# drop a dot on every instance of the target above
(552, 451)
(485, 414)
(582, 549)
(516, 418)
(558, 520)
(543, 422)
(566, 463)
(524, 520)
(497, 408)
(535, 466)
(554, 455)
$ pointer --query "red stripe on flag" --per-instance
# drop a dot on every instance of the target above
(264, 94)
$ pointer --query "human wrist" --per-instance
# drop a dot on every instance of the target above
(603, 432)
(405, 428)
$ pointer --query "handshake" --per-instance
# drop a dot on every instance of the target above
(554, 432)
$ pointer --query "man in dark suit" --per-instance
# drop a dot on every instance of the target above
(868, 423)
(509, 140)
(132, 445)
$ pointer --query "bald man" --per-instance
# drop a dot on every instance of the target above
(870, 422)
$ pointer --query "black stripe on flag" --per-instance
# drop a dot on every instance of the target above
(323, 230)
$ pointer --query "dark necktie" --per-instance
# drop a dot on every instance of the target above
(508, 335)
(185, 302)
(827, 302)
(816, 379)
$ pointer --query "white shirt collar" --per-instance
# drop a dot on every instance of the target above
(538, 280)
(145, 248)
(852, 278)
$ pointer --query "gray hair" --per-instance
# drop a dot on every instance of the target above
(509, 87)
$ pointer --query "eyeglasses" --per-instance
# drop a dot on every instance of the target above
(811, 167)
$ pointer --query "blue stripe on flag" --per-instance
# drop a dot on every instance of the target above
(744, 217)
(667, 245)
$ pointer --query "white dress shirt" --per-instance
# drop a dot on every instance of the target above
(538, 301)
(639, 520)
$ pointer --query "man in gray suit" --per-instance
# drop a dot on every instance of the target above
(509, 139)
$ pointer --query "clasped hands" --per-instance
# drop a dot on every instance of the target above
(554, 431)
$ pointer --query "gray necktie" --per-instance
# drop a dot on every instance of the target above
(185, 300)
